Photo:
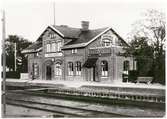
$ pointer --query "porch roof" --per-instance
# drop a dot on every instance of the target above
(90, 62)
(35, 47)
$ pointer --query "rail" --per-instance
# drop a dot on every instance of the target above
(61, 109)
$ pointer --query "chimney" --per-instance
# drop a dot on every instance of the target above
(85, 25)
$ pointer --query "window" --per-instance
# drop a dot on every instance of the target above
(36, 69)
(78, 68)
(53, 47)
(126, 67)
(59, 46)
(74, 51)
(48, 47)
(106, 42)
(104, 68)
(52, 35)
(57, 69)
(70, 69)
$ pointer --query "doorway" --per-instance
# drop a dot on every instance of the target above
(48, 72)
(91, 74)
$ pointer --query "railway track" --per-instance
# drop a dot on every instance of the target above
(66, 111)
(60, 106)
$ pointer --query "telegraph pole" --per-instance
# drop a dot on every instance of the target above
(4, 66)
(54, 13)
(15, 57)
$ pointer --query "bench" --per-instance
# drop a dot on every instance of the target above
(147, 80)
(24, 76)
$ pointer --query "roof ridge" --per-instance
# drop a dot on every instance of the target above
(66, 26)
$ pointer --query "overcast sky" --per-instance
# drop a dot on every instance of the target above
(29, 18)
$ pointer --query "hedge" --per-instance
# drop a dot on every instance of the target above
(12, 74)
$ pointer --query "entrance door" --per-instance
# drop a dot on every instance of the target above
(48, 73)
(91, 74)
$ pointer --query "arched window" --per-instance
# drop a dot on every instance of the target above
(48, 47)
(78, 68)
(53, 45)
(106, 42)
(57, 69)
(104, 68)
(70, 69)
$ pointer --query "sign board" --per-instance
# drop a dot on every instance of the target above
(53, 54)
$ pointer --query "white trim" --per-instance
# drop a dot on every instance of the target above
(56, 30)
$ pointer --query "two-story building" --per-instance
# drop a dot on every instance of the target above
(78, 54)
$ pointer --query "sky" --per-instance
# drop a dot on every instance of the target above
(29, 18)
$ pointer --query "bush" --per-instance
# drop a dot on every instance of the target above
(132, 77)
(12, 74)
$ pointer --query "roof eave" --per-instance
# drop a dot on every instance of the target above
(87, 43)
(31, 51)
(97, 36)
(74, 46)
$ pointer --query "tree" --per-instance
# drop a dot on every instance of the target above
(152, 26)
(143, 54)
(21, 44)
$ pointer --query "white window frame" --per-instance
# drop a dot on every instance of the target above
(54, 47)
(59, 45)
(70, 69)
(104, 72)
(48, 47)
(78, 68)
(57, 69)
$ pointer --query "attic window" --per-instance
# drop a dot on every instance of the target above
(52, 35)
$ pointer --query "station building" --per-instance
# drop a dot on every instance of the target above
(78, 54)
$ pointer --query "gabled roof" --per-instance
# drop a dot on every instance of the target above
(73, 37)
(66, 32)
(86, 36)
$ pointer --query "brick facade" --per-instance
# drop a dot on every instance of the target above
(55, 65)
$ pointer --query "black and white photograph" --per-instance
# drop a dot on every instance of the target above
(83, 58)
